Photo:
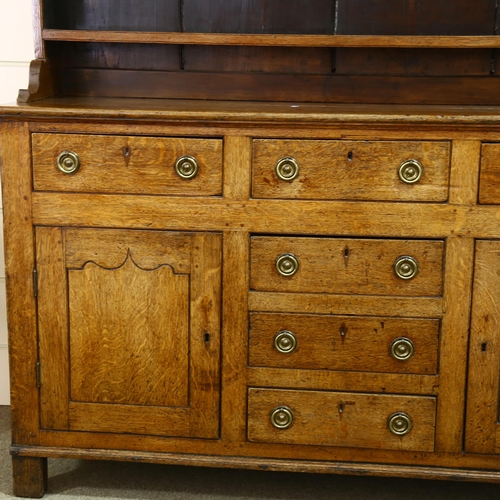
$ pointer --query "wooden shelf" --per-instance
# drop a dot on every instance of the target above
(275, 40)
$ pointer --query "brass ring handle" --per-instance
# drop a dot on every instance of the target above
(287, 264)
(187, 167)
(287, 169)
(406, 267)
(282, 417)
(411, 171)
(285, 341)
(400, 424)
(402, 349)
(68, 162)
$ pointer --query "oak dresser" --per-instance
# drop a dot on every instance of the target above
(253, 234)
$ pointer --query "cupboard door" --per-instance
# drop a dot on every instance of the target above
(483, 396)
(129, 331)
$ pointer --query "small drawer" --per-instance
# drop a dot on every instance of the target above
(347, 343)
(341, 419)
(347, 266)
(127, 164)
(351, 170)
(489, 179)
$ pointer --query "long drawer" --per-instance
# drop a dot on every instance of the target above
(347, 266)
(127, 164)
(351, 170)
(379, 421)
(347, 343)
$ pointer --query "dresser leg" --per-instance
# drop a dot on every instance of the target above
(30, 476)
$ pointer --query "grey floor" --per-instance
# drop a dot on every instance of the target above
(73, 479)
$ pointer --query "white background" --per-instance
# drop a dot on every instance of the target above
(16, 51)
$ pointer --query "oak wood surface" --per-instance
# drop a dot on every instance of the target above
(464, 172)
(346, 169)
(346, 266)
(227, 112)
(30, 476)
(19, 247)
(135, 164)
(345, 419)
(126, 325)
(53, 328)
(239, 217)
(343, 343)
(406, 307)
(258, 216)
(287, 40)
(125, 322)
(426, 90)
(489, 179)
(328, 380)
(292, 464)
(454, 343)
(148, 249)
(484, 353)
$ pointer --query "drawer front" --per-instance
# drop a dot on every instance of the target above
(347, 343)
(347, 266)
(128, 164)
(341, 419)
(489, 180)
(351, 170)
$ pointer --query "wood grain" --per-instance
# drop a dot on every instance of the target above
(273, 40)
(464, 173)
(53, 328)
(111, 248)
(294, 465)
(237, 167)
(341, 419)
(42, 81)
(127, 325)
(328, 380)
(489, 178)
(484, 352)
(29, 476)
(315, 303)
(454, 343)
(288, 60)
(258, 16)
(354, 89)
(205, 344)
(234, 335)
(350, 266)
(420, 17)
(346, 169)
(129, 419)
(343, 343)
(135, 164)
(19, 265)
(161, 15)
(377, 219)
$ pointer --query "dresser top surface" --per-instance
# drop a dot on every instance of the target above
(244, 111)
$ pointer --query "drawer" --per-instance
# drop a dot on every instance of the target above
(127, 164)
(347, 343)
(351, 170)
(489, 179)
(341, 419)
(347, 266)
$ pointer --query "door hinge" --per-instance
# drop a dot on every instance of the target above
(35, 282)
(38, 376)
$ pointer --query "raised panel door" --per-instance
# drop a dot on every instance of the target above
(129, 331)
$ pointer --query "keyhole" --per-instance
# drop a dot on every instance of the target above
(207, 338)
(350, 156)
